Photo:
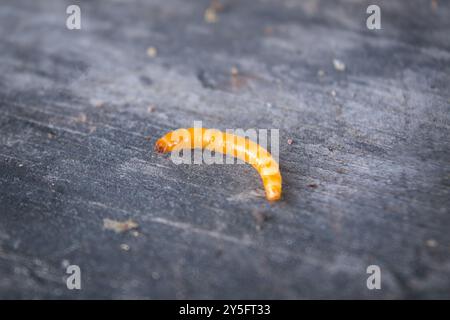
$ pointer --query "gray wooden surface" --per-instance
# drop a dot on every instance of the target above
(366, 179)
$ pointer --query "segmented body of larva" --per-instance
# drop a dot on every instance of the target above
(226, 143)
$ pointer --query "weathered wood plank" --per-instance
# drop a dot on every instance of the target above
(366, 179)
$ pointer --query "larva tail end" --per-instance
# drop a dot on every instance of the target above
(161, 146)
(273, 193)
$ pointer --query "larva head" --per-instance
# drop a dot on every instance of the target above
(161, 146)
(177, 139)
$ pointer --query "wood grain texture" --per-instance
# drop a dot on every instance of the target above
(366, 179)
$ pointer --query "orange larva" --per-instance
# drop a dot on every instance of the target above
(226, 143)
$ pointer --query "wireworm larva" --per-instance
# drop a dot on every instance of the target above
(227, 143)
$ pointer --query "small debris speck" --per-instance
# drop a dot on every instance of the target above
(82, 118)
(65, 263)
(333, 93)
(155, 275)
(234, 71)
(237, 80)
(124, 247)
(320, 73)
(97, 103)
(150, 108)
(119, 226)
(290, 141)
(135, 233)
(313, 185)
(338, 65)
(152, 52)
(211, 15)
(432, 243)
